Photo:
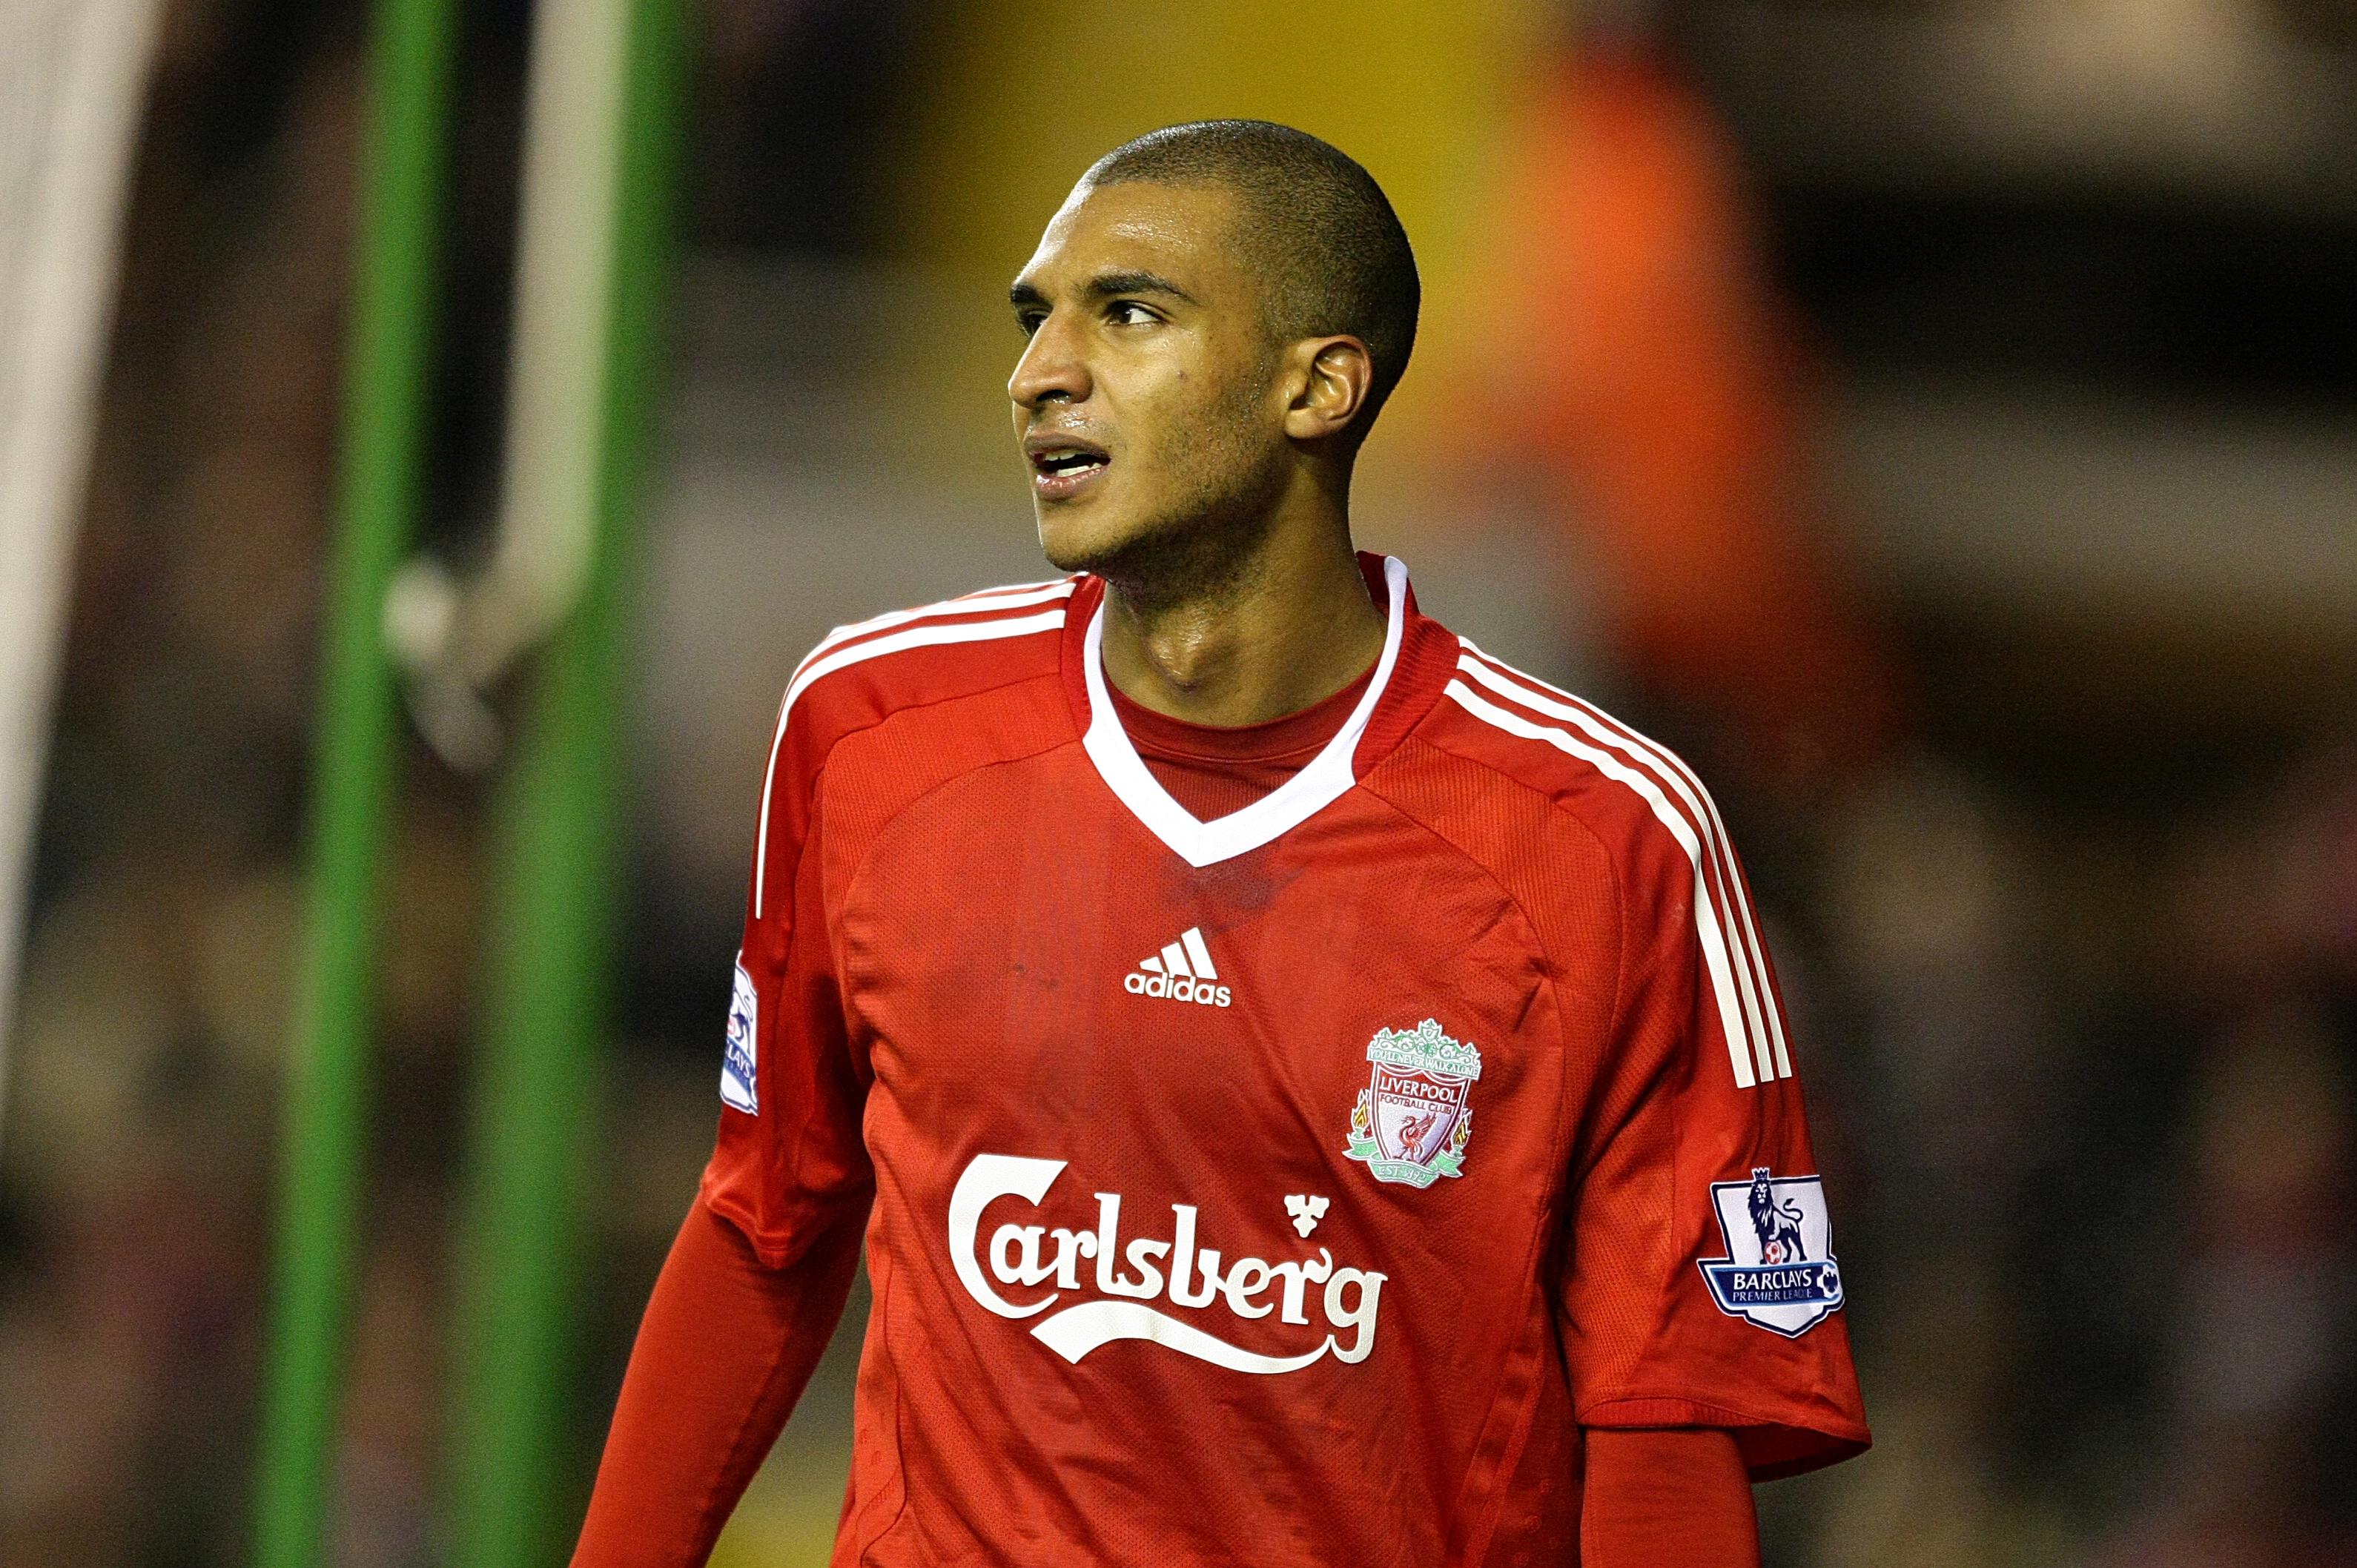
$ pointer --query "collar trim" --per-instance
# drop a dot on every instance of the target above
(1326, 778)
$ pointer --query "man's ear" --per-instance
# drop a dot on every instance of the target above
(1331, 378)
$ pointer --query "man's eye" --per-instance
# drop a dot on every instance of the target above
(1028, 322)
(1127, 313)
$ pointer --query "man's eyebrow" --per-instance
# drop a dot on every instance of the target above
(1104, 285)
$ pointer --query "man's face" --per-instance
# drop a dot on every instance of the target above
(1146, 400)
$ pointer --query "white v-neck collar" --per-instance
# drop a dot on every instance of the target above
(1326, 779)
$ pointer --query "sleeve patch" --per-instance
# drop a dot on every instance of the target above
(1779, 1272)
(738, 1079)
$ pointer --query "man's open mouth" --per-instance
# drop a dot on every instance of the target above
(1058, 461)
(1064, 467)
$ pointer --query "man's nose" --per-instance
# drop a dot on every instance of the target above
(1052, 367)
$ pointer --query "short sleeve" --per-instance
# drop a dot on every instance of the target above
(1701, 1284)
(789, 1163)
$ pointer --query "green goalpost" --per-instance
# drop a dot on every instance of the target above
(559, 817)
(325, 1098)
(559, 832)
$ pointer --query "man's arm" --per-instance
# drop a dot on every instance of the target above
(722, 1355)
(1657, 1496)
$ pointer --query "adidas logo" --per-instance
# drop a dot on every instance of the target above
(1181, 971)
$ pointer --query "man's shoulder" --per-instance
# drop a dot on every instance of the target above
(936, 664)
(1530, 740)
(925, 658)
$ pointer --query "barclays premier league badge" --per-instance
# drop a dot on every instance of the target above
(1413, 1120)
(738, 1083)
(1779, 1272)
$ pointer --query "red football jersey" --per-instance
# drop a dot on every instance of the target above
(1282, 1189)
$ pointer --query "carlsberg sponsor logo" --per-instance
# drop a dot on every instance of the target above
(1022, 1259)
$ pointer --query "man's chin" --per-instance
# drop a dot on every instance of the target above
(1151, 552)
(1083, 543)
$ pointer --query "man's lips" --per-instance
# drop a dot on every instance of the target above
(1063, 465)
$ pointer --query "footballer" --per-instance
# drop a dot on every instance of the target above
(1309, 1092)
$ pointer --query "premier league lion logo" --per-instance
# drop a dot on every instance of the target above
(1779, 1224)
(1779, 1272)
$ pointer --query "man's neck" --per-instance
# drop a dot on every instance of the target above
(1289, 628)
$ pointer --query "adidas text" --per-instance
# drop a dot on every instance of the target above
(1184, 988)
(1182, 970)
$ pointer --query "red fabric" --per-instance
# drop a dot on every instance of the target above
(1214, 769)
(722, 1354)
(727, 1345)
(1658, 1498)
(944, 1024)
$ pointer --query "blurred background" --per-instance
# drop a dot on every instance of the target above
(1936, 418)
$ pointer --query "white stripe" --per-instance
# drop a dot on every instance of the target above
(1196, 953)
(1153, 965)
(1004, 588)
(1013, 595)
(915, 637)
(1654, 761)
(1714, 943)
(1175, 962)
(919, 637)
(1673, 768)
(982, 601)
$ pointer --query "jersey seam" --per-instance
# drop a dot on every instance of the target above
(830, 934)
(885, 719)
(1612, 867)
(1510, 1454)
(826, 759)
(1537, 937)
(1720, 1406)
(900, 1510)
(1614, 1018)
(860, 862)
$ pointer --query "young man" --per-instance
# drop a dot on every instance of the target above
(1312, 1094)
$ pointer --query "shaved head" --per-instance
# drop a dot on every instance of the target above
(1313, 225)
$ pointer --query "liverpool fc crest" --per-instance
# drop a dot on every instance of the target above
(1412, 1120)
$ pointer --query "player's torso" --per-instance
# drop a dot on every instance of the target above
(1212, 1202)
